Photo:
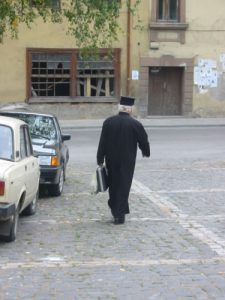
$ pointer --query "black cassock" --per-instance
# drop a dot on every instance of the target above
(120, 136)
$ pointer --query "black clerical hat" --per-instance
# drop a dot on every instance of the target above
(128, 101)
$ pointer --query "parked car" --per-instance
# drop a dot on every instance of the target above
(19, 175)
(48, 144)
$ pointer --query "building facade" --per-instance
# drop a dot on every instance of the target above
(174, 66)
(182, 72)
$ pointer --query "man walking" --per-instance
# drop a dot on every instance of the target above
(120, 136)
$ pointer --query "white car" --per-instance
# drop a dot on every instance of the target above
(19, 175)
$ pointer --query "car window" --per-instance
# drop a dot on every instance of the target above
(44, 127)
(58, 128)
(22, 143)
(41, 127)
(29, 149)
(6, 143)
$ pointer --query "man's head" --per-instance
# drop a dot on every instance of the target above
(126, 104)
(125, 108)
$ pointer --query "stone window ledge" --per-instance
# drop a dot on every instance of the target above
(168, 26)
(167, 32)
(55, 100)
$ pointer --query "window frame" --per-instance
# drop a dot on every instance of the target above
(73, 74)
(50, 6)
(177, 28)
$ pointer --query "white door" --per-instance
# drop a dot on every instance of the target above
(30, 164)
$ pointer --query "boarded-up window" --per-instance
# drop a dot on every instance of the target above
(95, 76)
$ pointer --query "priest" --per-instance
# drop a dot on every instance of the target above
(121, 135)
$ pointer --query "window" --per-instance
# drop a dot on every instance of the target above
(168, 10)
(54, 4)
(29, 148)
(50, 75)
(40, 127)
(168, 21)
(22, 143)
(66, 74)
(26, 149)
(95, 76)
(6, 139)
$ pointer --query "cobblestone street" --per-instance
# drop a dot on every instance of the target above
(171, 247)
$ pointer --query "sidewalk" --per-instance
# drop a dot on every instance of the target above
(148, 122)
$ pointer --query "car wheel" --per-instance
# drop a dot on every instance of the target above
(56, 189)
(13, 227)
(32, 207)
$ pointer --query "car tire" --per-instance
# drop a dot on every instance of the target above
(13, 227)
(32, 207)
(56, 189)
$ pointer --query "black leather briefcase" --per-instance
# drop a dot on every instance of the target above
(102, 179)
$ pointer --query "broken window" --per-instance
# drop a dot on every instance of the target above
(64, 73)
(168, 10)
(50, 74)
(95, 77)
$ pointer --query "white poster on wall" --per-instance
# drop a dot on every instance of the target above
(135, 74)
(205, 74)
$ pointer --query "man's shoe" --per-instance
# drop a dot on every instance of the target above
(119, 220)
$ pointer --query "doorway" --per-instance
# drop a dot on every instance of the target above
(165, 91)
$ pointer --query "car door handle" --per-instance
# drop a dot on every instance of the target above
(25, 168)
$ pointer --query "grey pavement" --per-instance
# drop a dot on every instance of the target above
(172, 246)
(148, 122)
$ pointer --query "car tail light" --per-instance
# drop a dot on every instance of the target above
(54, 161)
(2, 188)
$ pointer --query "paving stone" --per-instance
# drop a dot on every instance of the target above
(71, 250)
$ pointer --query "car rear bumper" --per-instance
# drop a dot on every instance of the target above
(7, 210)
(50, 175)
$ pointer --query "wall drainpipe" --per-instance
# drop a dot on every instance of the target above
(128, 47)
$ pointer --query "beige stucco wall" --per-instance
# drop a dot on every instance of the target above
(205, 39)
(207, 34)
(46, 35)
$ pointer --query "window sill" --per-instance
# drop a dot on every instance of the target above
(167, 32)
(60, 99)
(168, 26)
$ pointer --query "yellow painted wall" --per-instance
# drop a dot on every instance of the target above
(47, 35)
(205, 38)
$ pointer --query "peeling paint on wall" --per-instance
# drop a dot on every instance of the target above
(219, 92)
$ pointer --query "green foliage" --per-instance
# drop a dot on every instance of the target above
(93, 23)
(15, 12)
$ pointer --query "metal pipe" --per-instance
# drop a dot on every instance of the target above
(128, 46)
